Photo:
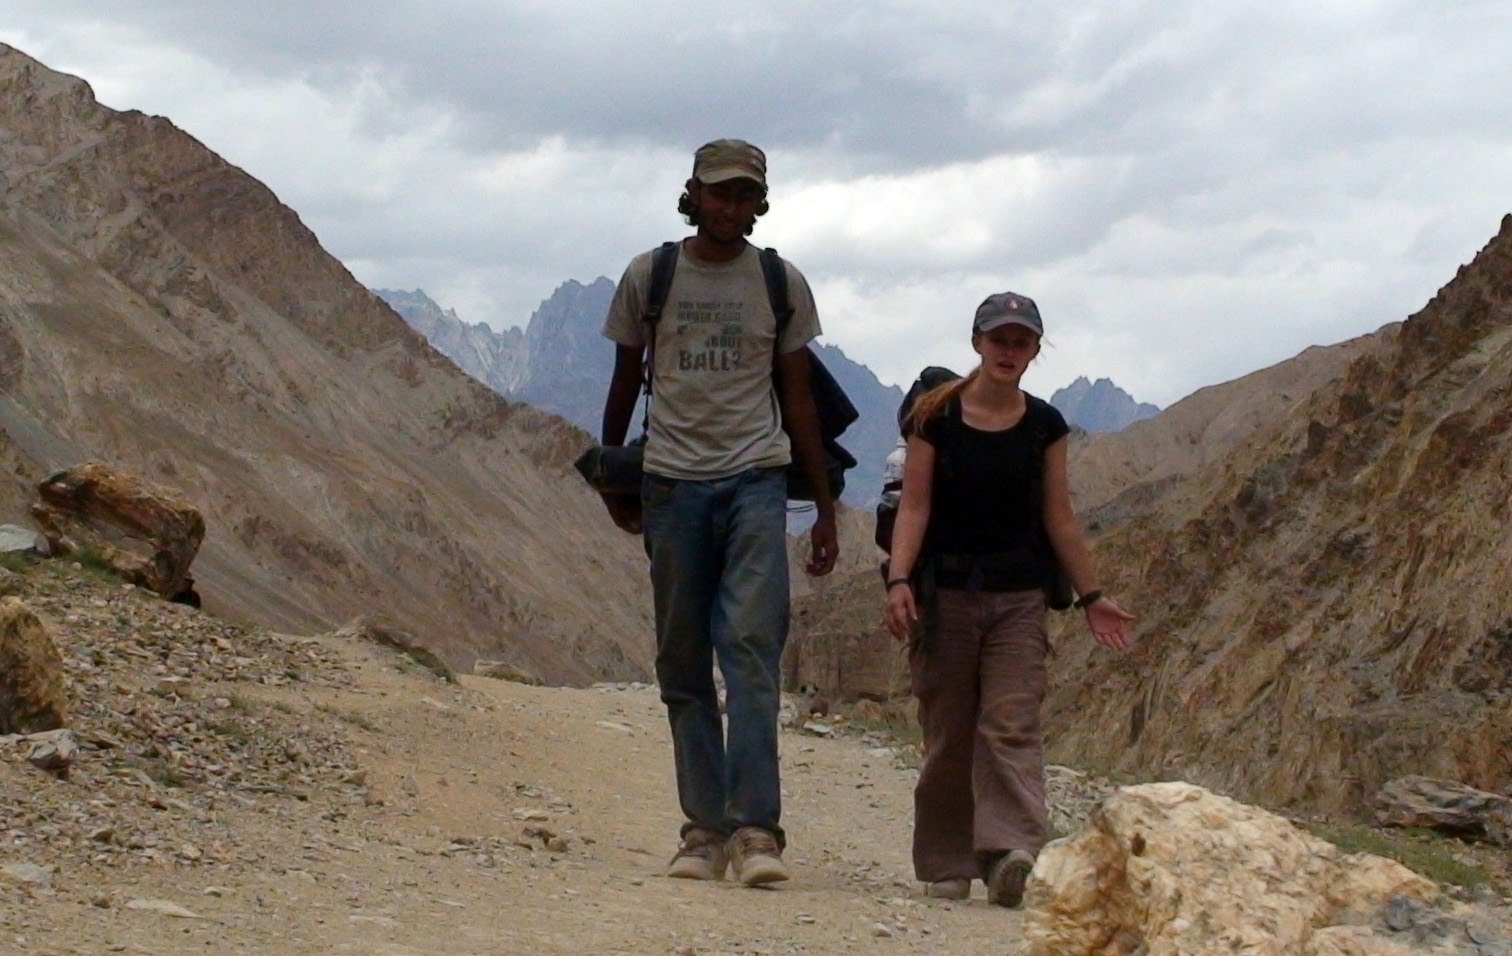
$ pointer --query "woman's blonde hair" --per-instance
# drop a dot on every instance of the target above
(932, 402)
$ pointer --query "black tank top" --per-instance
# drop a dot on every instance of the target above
(987, 496)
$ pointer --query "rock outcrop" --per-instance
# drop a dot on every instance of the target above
(850, 663)
(53, 751)
(1169, 869)
(1447, 806)
(15, 539)
(385, 634)
(32, 693)
(148, 534)
(503, 670)
(837, 643)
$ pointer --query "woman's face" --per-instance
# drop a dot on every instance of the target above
(1006, 352)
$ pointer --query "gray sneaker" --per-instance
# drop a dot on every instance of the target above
(701, 856)
(1006, 877)
(755, 857)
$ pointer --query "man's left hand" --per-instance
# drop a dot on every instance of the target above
(824, 547)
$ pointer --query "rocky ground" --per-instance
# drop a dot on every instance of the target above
(238, 791)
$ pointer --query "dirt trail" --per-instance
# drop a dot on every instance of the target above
(446, 854)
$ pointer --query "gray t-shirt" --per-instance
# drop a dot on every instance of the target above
(714, 410)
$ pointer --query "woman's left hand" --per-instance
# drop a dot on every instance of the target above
(1109, 623)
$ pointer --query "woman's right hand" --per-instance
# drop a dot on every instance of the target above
(1109, 623)
(902, 612)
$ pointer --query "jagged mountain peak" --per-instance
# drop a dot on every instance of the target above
(1100, 406)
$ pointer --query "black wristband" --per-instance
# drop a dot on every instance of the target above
(1091, 597)
(894, 582)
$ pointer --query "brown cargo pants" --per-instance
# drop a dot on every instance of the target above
(980, 680)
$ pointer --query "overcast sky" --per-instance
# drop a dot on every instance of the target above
(1191, 190)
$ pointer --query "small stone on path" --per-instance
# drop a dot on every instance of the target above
(29, 873)
(164, 907)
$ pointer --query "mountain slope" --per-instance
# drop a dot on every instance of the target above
(1325, 608)
(163, 311)
(1317, 553)
(1151, 457)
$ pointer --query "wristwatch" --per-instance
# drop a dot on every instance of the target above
(1091, 597)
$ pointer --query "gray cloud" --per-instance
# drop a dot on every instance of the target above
(892, 86)
(1192, 189)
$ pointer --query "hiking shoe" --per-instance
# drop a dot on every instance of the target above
(701, 856)
(957, 889)
(755, 857)
(1006, 877)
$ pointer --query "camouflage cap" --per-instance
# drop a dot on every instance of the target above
(1004, 308)
(726, 159)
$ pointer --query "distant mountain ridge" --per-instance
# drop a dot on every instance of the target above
(1100, 406)
(561, 363)
(493, 358)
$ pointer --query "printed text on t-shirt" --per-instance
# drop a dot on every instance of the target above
(710, 336)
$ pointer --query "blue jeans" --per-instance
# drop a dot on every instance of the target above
(719, 578)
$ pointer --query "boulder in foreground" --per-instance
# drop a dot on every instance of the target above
(1170, 869)
(32, 698)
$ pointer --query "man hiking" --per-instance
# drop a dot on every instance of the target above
(730, 407)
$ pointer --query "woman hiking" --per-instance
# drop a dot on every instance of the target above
(984, 520)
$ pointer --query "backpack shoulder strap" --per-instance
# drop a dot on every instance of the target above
(663, 264)
(775, 274)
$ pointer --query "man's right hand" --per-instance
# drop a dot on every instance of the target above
(625, 510)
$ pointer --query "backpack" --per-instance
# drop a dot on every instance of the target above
(1058, 590)
(835, 410)
(892, 472)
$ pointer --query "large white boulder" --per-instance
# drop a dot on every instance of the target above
(1170, 869)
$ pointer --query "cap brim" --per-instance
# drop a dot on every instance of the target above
(726, 173)
(987, 325)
